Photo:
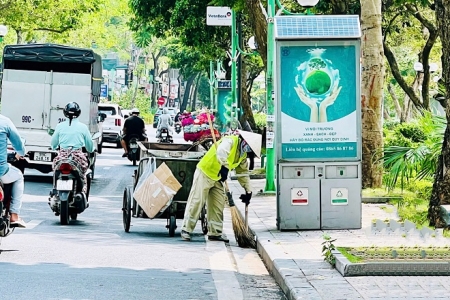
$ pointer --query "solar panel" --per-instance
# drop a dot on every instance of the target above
(315, 26)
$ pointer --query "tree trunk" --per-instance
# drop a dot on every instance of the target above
(187, 92)
(441, 186)
(398, 109)
(371, 93)
(194, 94)
(19, 36)
(246, 102)
(259, 25)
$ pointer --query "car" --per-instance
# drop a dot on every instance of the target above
(113, 124)
(172, 111)
(126, 113)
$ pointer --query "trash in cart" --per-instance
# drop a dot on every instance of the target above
(155, 191)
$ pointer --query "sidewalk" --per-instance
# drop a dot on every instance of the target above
(294, 258)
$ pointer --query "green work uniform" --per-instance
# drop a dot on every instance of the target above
(206, 187)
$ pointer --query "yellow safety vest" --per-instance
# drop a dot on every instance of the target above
(210, 165)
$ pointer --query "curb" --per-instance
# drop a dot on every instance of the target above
(412, 268)
(284, 270)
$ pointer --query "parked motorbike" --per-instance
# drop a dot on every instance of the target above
(66, 198)
(178, 127)
(133, 149)
(5, 201)
(164, 136)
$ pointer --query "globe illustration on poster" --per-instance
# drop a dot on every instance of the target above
(316, 76)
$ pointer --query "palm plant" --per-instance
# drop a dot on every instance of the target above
(419, 159)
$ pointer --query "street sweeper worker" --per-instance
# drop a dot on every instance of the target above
(208, 182)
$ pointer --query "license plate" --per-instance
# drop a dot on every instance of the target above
(164, 134)
(132, 146)
(42, 156)
(64, 185)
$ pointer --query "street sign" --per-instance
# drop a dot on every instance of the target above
(161, 101)
(224, 84)
(218, 16)
(104, 90)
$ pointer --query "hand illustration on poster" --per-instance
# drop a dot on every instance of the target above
(317, 84)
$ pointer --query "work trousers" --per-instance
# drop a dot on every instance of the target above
(205, 190)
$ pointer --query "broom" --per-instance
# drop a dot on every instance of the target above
(244, 237)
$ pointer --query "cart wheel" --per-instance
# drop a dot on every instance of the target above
(126, 209)
(172, 226)
(204, 220)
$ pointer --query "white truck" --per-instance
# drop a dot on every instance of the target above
(38, 81)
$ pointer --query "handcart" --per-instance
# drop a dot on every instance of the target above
(182, 160)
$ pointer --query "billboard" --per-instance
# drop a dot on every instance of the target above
(319, 97)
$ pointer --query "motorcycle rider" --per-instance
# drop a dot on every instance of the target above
(11, 174)
(133, 125)
(164, 121)
(70, 137)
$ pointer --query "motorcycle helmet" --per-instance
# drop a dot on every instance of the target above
(72, 110)
(135, 111)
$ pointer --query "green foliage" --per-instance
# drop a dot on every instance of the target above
(327, 249)
(413, 206)
(260, 120)
(142, 102)
(412, 150)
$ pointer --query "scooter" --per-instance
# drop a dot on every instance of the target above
(133, 149)
(177, 127)
(5, 201)
(164, 136)
(66, 198)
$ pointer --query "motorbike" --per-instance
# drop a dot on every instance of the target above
(133, 149)
(178, 127)
(5, 201)
(66, 198)
(164, 136)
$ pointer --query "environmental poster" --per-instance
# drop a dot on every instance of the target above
(318, 86)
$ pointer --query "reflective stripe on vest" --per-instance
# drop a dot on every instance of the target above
(210, 165)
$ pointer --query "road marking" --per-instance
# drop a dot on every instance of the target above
(223, 272)
(106, 168)
(32, 224)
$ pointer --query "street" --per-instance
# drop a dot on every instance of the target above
(93, 258)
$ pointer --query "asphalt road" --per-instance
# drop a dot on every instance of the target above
(93, 258)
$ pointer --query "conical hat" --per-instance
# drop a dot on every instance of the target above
(254, 140)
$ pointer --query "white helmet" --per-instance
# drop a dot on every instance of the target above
(135, 111)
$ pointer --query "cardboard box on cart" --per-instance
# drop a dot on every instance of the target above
(157, 191)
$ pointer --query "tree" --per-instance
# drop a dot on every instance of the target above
(372, 79)
(185, 20)
(441, 185)
(26, 17)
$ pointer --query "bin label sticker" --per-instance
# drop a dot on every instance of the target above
(299, 196)
(339, 196)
